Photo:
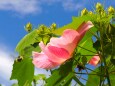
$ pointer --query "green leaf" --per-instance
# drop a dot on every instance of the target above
(27, 51)
(76, 21)
(112, 79)
(64, 73)
(27, 41)
(93, 80)
(23, 71)
(84, 60)
(53, 78)
(85, 47)
(65, 80)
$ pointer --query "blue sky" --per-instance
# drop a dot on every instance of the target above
(14, 14)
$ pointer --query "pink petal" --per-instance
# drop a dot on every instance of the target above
(83, 28)
(56, 54)
(42, 45)
(51, 55)
(68, 40)
(70, 35)
(62, 43)
(56, 41)
(59, 52)
(94, 60)
(40, 60)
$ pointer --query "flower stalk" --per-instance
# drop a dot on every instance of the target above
(103, 59)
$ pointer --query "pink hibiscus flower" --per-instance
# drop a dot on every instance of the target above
(58, 50)
(94, 60)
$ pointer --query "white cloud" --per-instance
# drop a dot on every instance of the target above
(36, 6)
(68, 5)
(21, 6)
(71, 5)
(6, 62)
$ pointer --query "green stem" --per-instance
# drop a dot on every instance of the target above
(113, 46)
(90, 69)
(86, 49)
(101, 69)
(107, 73)
(89, 55)
(94, 34)
(89, 74)
(34, 82)
(103, 57)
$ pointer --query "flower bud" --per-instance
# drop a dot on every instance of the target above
(28, 27)
(42, 27)
(90, 12)
(99, 6)
(38, 31)
(84, 12)
(53, 26)
(19, 59)
(111, 10)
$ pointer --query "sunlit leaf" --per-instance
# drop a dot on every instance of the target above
(85, 47)
(23, 71)
(27, 40)
(65, 80)
(64, 73)
(27, 51)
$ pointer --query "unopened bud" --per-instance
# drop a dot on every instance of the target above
(84, 12)
(28, 27)
(19, 59)
(38, 31)
(111, 10)
(42, 27)
(53, 26)
(90, 12)
(98, 6)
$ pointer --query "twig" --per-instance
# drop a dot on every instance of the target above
(86, 49)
